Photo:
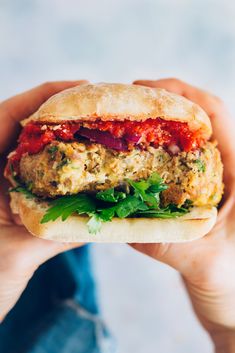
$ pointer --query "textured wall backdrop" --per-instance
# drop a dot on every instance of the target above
(143, 301)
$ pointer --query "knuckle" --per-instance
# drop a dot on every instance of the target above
(48, 85)
(219, 101)
(162, 250)
(216, 102)
(211, 277)
(174, 80)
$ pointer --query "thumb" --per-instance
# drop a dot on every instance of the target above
(29, 252)
(49, 249)
(179, 256)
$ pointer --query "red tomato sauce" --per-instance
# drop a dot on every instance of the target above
(154, 132)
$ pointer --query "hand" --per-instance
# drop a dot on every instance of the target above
(208, 265)
(20, 252)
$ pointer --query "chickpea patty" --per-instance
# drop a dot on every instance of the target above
(68, 168)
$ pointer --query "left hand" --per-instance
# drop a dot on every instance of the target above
(20, 252)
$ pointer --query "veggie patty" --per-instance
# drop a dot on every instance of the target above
(65, 168)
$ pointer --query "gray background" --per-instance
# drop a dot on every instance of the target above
(143, 302)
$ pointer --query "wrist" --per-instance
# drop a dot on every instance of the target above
(224, 341)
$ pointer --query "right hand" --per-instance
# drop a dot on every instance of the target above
(207, 265)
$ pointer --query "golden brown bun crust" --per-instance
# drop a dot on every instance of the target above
(191, 226)
(108, 101)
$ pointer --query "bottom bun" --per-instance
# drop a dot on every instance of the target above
(195, 224)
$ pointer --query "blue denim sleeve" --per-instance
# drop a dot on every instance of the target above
(58, 311)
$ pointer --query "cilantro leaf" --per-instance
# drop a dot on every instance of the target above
(129, 206)
(67, 205)
(142, 199)
(107, 214)
(110, 195)
(170, 211)
(123, 209)
(140, 191)
(149, 190)
(94, 224)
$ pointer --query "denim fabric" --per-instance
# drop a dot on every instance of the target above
(58, 311)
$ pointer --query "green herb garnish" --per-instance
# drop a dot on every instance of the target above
(52, 150)
(200, 165)
(63, 162)
(142, 199)
(149, 190)
(65, 206)
(94, 224)
(170, 211)
(24, 191)
(110, 195)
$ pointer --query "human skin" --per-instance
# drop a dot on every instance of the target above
(20, 253)
(207, 265)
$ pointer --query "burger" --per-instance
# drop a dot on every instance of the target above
(116, 163)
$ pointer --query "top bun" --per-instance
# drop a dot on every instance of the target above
(109, 101)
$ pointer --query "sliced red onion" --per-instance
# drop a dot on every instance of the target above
(174, 149)
(132, 138)
(103, 137)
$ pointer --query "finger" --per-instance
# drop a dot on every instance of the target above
(17, 220)
(209, 102)
(222, 124)
(162, 252)
(28, 252)
(52, 248)
(171, 84)
(180, 256)
(6, 216)
(184, 257)
(13, 110)
(23, 105)
(215, 108)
